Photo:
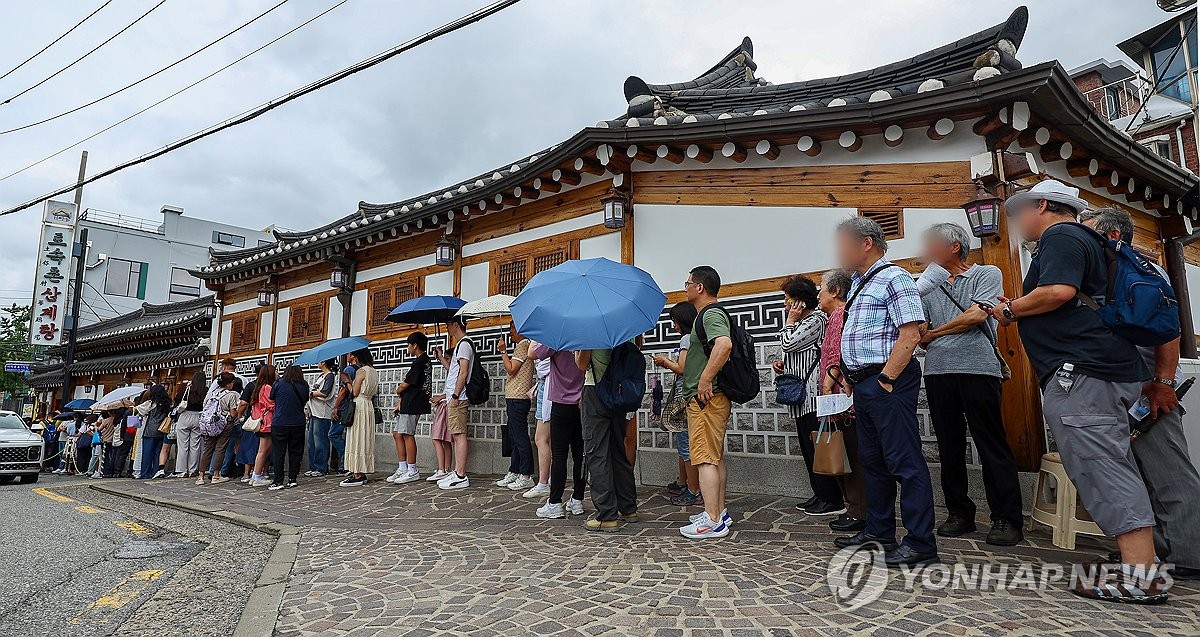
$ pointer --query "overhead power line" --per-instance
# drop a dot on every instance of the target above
(254, 113)
(55, 41)
(152, 75)
(176, 93)
(80, 58)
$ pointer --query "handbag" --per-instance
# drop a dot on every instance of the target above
(346, 413)
(791, 389)
(1005, 370)
(674, 413)
(829, 450)
(252, 424)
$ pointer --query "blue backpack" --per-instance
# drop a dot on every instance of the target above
(623, 384)
(1139, 303)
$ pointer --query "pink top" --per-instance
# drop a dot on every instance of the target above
(264, 408)
(831, 347)
(566, 379)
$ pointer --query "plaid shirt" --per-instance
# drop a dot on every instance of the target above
(873, 321)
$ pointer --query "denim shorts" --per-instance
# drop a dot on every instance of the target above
(682, 445)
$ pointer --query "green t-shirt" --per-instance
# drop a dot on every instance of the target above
(600, 360)
(716, 324)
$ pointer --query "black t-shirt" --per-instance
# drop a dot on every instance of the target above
(248, 393)
(415, 398)
(1070, 254)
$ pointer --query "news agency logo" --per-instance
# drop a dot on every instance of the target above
(857, 575)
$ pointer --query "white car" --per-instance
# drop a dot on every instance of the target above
(21, 450)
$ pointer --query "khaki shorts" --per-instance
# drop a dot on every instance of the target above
(458, 417)
(706, 429)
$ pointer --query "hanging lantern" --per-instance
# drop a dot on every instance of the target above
(983, 212)
(338, 278)
(616, 208)
(210, 312)
(445, 252)
(266, 295)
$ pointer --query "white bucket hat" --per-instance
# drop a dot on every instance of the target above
(1050, 190)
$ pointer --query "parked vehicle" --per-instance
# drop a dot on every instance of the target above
(21, 450)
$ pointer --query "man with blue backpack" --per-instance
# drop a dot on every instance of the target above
(614, 383)
(1090, 373)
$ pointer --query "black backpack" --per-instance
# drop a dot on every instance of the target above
(738, 379)
(479, 385)
(623, 384)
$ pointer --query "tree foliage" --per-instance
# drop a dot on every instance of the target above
(14, 345)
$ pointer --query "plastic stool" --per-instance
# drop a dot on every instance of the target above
(1065, 516)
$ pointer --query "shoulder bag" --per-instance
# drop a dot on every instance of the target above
(791, 389)
(1005, 370)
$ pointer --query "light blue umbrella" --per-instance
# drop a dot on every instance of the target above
(331, 349)
(587, 304)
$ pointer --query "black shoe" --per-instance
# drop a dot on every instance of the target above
(904, 555)
(956, 525)
(847, 523)
(821, 507)
(1185, 573)
(862, 537)
(1004, 533)
(800, 506)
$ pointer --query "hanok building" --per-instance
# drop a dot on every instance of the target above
(155, 344)
(725, 169)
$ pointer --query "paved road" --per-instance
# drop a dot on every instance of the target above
(78, 563)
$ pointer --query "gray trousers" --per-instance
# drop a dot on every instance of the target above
(1090, 424)
(614, 490)
(1173, 484)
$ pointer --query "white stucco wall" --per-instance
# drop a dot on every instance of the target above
(605, 245)
(281, 325)
(439, 283)
(264, 329)
(475, 280)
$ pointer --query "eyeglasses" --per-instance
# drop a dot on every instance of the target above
(688, 284)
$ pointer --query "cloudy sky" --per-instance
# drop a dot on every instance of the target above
(519, 81)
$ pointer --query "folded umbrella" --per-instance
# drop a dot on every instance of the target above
(487, 307)
(426, 309)
(121, 393)
(331, 349)
(588, 304)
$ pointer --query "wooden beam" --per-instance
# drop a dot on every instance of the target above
(567, 177)
(732, 151)
(850, 140)
(669, 153)
(1082, 167)
(989, 125)
(1031, 137)
(633, 152)
(809, 146)
(767, 148)
(526, 192)
(702, 154)
(505, 199)
(893, 135)
(940, 129)
(1055, 151)
(546, 185)
(589, 165)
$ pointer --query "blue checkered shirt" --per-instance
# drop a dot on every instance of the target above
(873, 321)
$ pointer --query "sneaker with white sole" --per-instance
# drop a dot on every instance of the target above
(437, 476)
(277, 486)
(160, 474)
(410, 476)
(537, 491)
(724, 517)
(219, 480)
(454, 482)
(575, 507)
(704, 529)
(551, 511)
(395, 476)
(507, 479)
(261, 482)
(245, 479)
(521, 483)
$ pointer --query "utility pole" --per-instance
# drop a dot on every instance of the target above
(79, 252)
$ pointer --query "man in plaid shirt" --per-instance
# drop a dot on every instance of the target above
(883, 320)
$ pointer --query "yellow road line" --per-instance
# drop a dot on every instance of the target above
(87, 508)
(134, 527)
(117, 597)
(42, 491)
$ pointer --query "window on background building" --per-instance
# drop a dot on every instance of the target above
(306, 321)
(1171, 62)
(511, 275)
(125, 278)
(383, 296)
(890, 219)
(184, 286)
(227, 239)
(264, 242)
(1161, 147)
(1110, 104)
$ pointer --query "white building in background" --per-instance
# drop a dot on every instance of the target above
(132, 260)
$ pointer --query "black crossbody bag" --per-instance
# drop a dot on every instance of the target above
(1005, 370)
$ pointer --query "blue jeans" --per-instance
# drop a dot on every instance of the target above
(683, 445)
(150, 450)
(230, 453)
(318, 444)
(337, 441)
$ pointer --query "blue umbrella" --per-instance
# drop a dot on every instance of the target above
(588, 304)
(79, 404)
(331, 349)
(426, 309)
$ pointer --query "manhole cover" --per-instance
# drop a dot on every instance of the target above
(142, 549)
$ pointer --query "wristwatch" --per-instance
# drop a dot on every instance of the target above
(1007, 311)
(886, 380)
(1169, 382)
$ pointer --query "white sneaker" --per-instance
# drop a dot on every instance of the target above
(437, 476)
(411, 476)
(704, 529)
(454, 482)
(521, 483)
(244, 479)
(551, 511)
(277, 487)
(575, 507)
(160, 474)
(507, 479)
(261, 481)
(396, 476)
(538, 490)
(724, 517)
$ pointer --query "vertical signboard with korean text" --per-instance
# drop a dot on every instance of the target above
(53, 273)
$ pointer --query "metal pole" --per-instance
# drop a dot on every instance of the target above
(79, 252)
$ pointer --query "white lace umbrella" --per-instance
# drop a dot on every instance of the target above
(488, 307)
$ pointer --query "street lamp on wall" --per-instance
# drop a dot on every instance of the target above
(983, 212)
(445, 251)
(210, 312)
(616, 209)
(266, 294)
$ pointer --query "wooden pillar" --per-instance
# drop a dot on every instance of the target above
(1021, 403)
(1177, 272)
(627, 231)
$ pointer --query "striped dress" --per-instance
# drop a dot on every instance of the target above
(801, 345)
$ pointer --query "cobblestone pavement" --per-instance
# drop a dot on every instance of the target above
(412, 560)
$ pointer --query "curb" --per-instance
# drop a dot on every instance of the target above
(262, 607)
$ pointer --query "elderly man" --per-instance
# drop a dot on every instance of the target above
(962, 384)
(882, 328)
(1161, 452)
(1090, 378)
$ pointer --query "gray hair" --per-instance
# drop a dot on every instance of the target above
(952, 233)
(1109, 219)
(836, 282)
(865, 228)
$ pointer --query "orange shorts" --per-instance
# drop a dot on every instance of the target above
(706, 429)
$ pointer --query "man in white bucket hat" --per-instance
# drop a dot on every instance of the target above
(1090, 378)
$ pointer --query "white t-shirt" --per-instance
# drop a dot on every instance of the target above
(462, 351)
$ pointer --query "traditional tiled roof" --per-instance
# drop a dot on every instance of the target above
(147, 321)
(729, 103)
(186, 355)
